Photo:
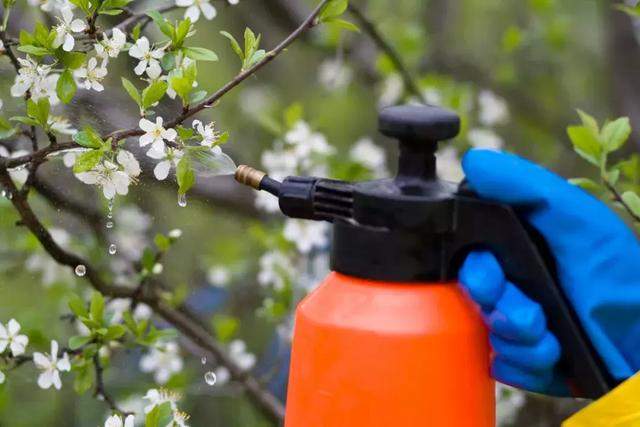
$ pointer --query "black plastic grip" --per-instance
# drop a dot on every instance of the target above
(528, 263)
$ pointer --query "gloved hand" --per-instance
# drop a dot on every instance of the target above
(598, 265)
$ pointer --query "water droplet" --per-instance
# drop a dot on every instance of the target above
(110, 215)
(113, 249)
(109, 224)
(182, 200)
(9, 195)
(204, 360)
(210, 378)
(3, 193)
(80, 270)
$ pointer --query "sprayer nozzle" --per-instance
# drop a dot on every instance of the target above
(249, 176)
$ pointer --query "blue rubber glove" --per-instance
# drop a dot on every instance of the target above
(598, 265)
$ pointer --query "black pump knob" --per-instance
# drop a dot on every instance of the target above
(418, 128)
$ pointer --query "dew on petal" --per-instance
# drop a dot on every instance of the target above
(80, 270)
(210, 378)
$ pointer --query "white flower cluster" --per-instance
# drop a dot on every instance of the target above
(113, 177)
(51, 366)
(12, 340)
(163, 361)
(39, 80)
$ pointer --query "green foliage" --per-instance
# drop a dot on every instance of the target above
(633, 11)
(225, 326)
(37, 113)
(89, 138)
(185, 175)
(38, 43)
(7, 130)
(182, 81)
(66, 87)
(113, 7)
(153, 93)
(331, 14)
(252, 54)
(159, 416)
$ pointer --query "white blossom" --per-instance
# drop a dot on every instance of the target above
(116, 421)
(149, 58)
(91, 75)
(266, 201)
(156, 134)
(61, 125)
(51, 367)
(66, 28)
(449, 167)
(208, 133)
(306, 234)
(485, 138)
(169, 157)
(370, 155)
(307, 142)
(116, 308)
(113, 178)
(37, 79)
(130, 234)
(392, 90)
(238, 352)
(222, 375)
(20, 174)
(333, 74)
(493, 110)
(51, 271)
(218, 275)
(157, 397)
(163, 361)
(10, 337)
(52, 5)
(275, 270)
(280, 163)
(176, 233)
(180, 419)
(111, 47)
(196, 7)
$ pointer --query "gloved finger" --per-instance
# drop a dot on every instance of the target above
(539, 357)
(505, 372)
(517, 318)
(483, 279)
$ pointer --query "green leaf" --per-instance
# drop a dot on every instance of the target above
(159, 416)
(632, 201)
(84, 378)
(633, 11)
(162, 23)
(88, 138)
(78, 341)
(234, 44)
(96, 308)
(586, 184)
(66, 87)
(200, 54)
(34, 50)
(198, 96)
(182, 86)
(185, 133)
(153, 93)
(293, 114)
(87, 161)
(135, 33)
(114, 332)
(615, 134)
(132, 91)
(585, 144)
(333, 9)
(78, 306)
(130, 322)
(7, 130)
(25, 120)
(148, 259)
(181, 32)
(225, 326)
(162, 242)
(589, 122)
(630, 168)
(71, 60)
(343, 24)
(185, 175)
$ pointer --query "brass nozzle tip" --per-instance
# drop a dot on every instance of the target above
(249, 176)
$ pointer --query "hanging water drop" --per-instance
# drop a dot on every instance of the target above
(3, 193)
(182, 200)
(80, 270)
(210, 378)
(113, 249)
(9, 195)
(109, 224)
(110, 206)
(204, 360)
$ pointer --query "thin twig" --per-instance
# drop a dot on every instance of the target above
(618, 198)
(381, 42)
(101, 390)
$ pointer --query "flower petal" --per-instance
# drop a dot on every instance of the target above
(208, 10)
(161, 171)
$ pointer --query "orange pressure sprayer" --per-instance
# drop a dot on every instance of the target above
(388, 338)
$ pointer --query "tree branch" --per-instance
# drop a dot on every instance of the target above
(381, 42)
(100, 389)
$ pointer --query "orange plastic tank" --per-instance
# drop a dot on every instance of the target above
(369, 353)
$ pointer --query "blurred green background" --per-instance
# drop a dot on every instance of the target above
(542, 58)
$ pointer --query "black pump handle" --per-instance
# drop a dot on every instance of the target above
(528, 264)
